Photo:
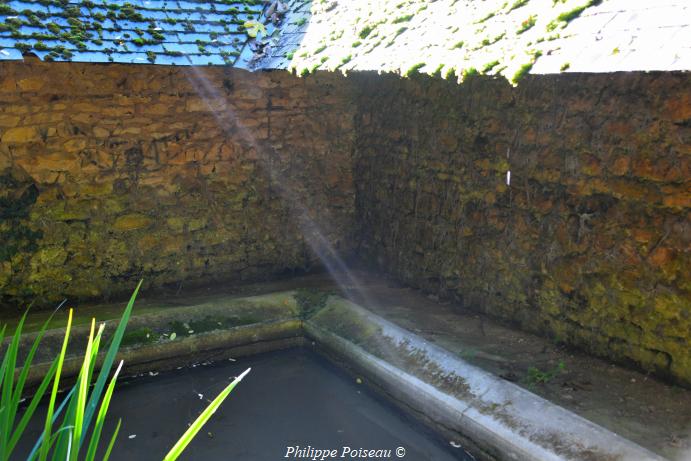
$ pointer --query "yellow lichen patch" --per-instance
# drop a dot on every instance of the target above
(132, 221)
(21, 135)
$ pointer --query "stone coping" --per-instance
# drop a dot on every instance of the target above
(492, 417)
(501, 419)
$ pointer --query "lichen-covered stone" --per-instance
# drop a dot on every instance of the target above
(589, 240)
(126, 177)
(21, 134)
(132, 221)
(561, 205)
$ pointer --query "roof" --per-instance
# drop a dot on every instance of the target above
(139, 31)
(451, 38)
(511, 38)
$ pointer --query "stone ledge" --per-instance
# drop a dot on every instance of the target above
(504, 420)
(494, 418)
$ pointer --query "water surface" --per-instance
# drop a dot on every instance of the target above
(291, 398)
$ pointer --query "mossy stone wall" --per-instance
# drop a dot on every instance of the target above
(110, 173)
(588, 242)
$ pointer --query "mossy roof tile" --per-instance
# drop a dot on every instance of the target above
(163, 32)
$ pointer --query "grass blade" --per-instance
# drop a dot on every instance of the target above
(196, 426)
(7, 407)
(45, 446)
(5, 357)
(108, 362)
(82, 393)
(19, 389)
(65, 401)
(100, 418)
(35, 400)
(112, 441)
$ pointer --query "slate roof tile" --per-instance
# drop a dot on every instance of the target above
(167, 32)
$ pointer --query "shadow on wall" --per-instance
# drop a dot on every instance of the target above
(561, 205)
(18, 194)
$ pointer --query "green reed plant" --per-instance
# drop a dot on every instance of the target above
(64, 439)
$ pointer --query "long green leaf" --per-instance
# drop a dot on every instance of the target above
(101, 417)
(112, 441)
(202, 419)
(29, 412)
(82, 393)
(19, 390)
(45, 446)
(108, 362)
(74, 415)
(63, 404)
(5, 357)
(23, 375)
(3, 404)
(7, 409)
(72, 410)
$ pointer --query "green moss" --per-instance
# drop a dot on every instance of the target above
(7, 10)
(469, 71)
(536, 376)
(492, 41)
(413, 69)
(487, 17)
(210, 323)
(366, 31)
(489, 66)
(518, 4)
(179, 328)
(399, 31)
(22, 47)
(311, 301)
(401, 19)
(129, 13)
(143, 335)
(568, 16)
(525, 68)
(83, 27)
(527, 24)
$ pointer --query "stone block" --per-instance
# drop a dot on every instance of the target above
(130, 222)
(22, 134)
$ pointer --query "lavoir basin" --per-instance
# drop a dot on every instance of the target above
(293, 405)
(331, 378)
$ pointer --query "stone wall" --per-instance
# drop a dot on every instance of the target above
(109, 173)
(589, 243)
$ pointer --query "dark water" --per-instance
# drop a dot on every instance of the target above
(291, 398)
